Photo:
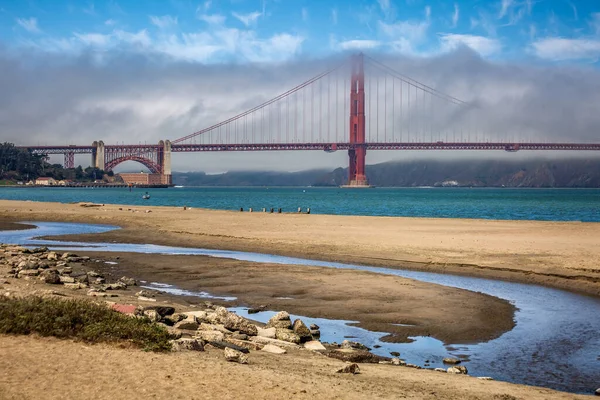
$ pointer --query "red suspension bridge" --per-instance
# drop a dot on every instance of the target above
(384, 110)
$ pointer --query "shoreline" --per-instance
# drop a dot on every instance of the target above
(553, 254)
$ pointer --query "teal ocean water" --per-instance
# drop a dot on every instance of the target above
(487, 203)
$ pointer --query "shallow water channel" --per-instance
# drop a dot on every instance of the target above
(555, 343)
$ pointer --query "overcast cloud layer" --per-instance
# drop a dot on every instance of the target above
(49, 99)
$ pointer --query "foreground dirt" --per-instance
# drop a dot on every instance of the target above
(560, 254)
(377, 301)
(68, 370)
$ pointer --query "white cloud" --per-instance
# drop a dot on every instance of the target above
(334, 16)
(482, 45)
(94, 39)
(384, 5)
(247, 19)
(164, 22)
(427, 12)
(504, 6)
(414, 31)
(560, 49)
(359, 44)
(29, 24)
(110, 22)
(212, 19)
(455, 15)
(304, 14)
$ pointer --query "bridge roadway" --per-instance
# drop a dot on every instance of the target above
(323, 147)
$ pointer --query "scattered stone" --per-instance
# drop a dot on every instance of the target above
(199, 315)
(271, 348)
(268, 332)
(238, 336)
(187, 324)
(347, 344)
(301, 330)
(28, 272)
(116, 286)
(245, 344)
(234, 322)
(349, 369)
(187, 345)
(395, 353)
(356, 356)
(210, 336)
(235, 356)
(280, 320)
(163, 311)
(397, 361)
(95, 293)
(66, 279)
(153, 315)
(458, 370)
(173, 319)
(128, 281)
(75, 286)
(314, 345)
(287, 335)
(413, 366)
(145, 293)
(451, 360)
(314, 327)
(50, 276)
(256, 310)
(440, 370)
(485, 378)
(265, 341)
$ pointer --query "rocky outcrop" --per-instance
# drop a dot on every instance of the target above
(302, 331)
(281, 320)
(287, 335)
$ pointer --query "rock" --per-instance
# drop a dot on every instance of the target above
(347, 344)
(245, 344)
(271, 348)
(83, 278)
(314, 327)
(50, 276)
(128, 281)
(314, 345)
(52, 256)
(99, 281)
(315, 333)
(95, 293)
(28, 272)
(153, 315)
(349, 369)
(413, 366)
(116, 286)
(451, 360)
(223, 344)
(235, 356)
(256, 310)
(213, 327)
(280, 320)
(301, 330)
(75, 286)
(485, 378)
(268, 332)
(395, 353)
(440, 370)
(142, 298)
(189, 324)
(187, 345)
(66, 279)
(145, 293)
(355, 356)
(276, 342)
(94, 274)
(67, 255)
(597, 392)
(287, 335)
(396, 361)
(199, 315)
(210, 336)
(234, 322)
(457, 370)
(238, 336)
(173, 319)
(163, 311)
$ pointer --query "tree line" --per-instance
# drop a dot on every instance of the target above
(19, 164)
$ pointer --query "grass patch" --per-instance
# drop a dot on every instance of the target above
(80, 320)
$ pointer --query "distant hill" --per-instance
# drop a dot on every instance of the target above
(575, 173)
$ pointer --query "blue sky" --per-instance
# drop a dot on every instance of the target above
(279, 30)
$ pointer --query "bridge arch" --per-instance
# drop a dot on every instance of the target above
(154, 167)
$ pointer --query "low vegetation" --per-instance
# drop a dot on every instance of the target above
(80, 320)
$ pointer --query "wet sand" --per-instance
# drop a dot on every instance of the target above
(376, 301)
(558, 254)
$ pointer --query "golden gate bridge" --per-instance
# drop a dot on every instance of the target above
(356, 106)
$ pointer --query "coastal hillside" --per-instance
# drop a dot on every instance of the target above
(572, 173)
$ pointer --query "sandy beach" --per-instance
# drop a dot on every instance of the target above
(554, 254)
(559, 254)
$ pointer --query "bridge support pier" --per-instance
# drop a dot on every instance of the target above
(358, 151)
(166, 162)
(69, 160)
(98, 155)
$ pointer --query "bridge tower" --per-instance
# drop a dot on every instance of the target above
(358, 150)
(98, 159)
(165, 161)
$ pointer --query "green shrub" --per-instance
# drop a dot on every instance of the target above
(81, 320)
